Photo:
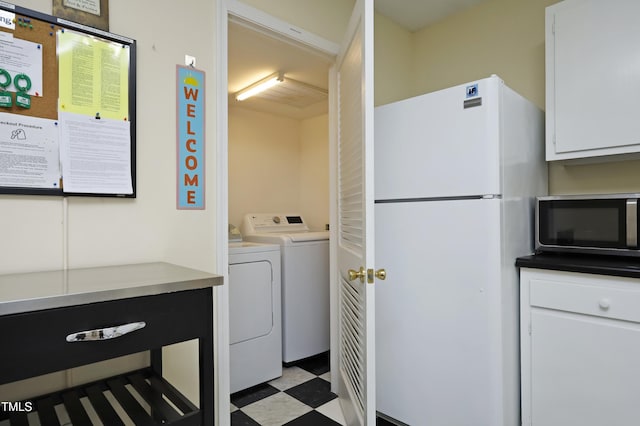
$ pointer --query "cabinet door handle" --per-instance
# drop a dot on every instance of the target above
(105, 333)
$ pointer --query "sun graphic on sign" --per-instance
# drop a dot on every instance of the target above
(191, 81)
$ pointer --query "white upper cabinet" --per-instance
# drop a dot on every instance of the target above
(592, 78)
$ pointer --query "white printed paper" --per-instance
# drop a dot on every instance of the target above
(29, 152)
(19, 56)
(90, 6)
(7, 20)
(95, 155)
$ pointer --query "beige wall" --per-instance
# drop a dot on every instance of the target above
(326, 18)
(314, 171)
(503, 37)
(278, 164)
(393, 61)
(264, 167)
(104, 231)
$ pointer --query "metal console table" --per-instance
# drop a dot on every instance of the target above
(53, 321)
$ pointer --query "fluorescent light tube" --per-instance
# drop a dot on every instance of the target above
(260, 86)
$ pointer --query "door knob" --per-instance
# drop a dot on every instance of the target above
(380, 274)
(357, 274)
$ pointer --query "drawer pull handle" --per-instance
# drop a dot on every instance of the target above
(605, 304)
(105, 333)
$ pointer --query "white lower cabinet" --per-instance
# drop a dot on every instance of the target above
(580, 349)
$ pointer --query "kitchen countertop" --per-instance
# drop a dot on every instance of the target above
(620, 266)
(34, 291)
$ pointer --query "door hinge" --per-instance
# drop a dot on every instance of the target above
(529, 329)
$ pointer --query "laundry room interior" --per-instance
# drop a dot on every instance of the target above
(278, 147)
(278, 162)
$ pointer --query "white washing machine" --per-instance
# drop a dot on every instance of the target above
(305, 280)
(255, 324)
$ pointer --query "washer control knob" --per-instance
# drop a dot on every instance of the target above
(276, 219)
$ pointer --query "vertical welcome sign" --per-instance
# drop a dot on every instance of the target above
(190, 138)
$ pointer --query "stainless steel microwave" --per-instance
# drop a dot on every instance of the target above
(603, 224)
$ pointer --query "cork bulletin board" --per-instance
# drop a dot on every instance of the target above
(75, 132)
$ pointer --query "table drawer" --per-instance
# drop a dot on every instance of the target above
(584, 298)
(35, 343)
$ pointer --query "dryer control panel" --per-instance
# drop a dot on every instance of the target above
(267, 222)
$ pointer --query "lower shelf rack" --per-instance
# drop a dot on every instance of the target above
(138, 398)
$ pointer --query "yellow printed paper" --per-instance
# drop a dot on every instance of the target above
(94, 76)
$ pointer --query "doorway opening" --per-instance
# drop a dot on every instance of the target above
(278, 162)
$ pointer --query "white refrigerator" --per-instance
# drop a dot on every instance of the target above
(456, 173)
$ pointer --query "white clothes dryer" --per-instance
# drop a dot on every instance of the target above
(255, 324)
(305, 280)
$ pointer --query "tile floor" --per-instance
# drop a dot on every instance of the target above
(301, 397)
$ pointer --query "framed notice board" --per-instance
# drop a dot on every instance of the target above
(67, 107)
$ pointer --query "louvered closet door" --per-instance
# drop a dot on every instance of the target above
(354, 79)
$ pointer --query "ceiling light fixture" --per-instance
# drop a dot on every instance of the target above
(260, 86)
